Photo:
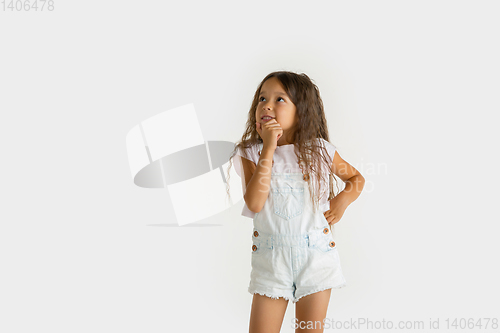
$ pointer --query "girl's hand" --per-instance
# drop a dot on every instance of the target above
(270, 132)
(337, 209)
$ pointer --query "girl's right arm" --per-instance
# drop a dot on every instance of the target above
(258, 180)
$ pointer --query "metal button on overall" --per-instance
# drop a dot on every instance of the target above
(332, 244)
(254, 248)
(255, 233)
(325, 231)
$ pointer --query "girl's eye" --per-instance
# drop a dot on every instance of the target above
(260, 99)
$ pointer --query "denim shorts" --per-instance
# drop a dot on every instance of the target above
(293, 251)
(294, 265)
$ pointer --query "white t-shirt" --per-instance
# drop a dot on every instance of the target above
(284, 161)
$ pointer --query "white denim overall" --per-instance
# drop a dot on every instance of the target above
(293, 251)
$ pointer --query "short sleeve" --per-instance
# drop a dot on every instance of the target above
(251, 152)
(330, 149)
(252, 155)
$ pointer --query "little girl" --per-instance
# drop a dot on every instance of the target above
(287, 164)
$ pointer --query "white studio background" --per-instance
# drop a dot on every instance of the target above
(410, 90)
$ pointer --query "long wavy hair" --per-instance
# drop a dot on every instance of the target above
(309, 127)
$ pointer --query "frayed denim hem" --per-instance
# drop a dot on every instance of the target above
(321, 289)
(253, 291)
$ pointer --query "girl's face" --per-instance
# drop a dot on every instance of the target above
(274, 102)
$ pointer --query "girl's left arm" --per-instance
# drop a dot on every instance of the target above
(353, 179)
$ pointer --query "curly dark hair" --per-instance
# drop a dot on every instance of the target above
(310, 126)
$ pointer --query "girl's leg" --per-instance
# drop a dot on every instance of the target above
(267, 314)
(311, 310)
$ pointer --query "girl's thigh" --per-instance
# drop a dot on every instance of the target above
(311, 310)
(267, 314)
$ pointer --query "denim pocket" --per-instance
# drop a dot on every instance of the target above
(288, 202)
